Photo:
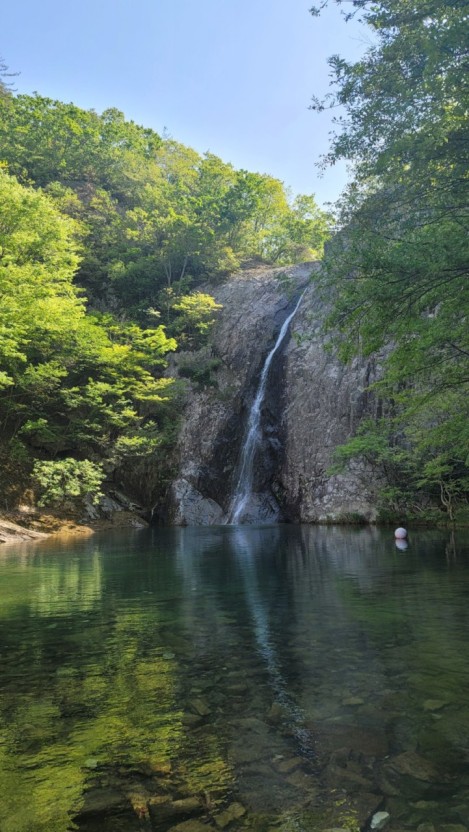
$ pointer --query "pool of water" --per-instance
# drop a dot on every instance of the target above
(262, 678)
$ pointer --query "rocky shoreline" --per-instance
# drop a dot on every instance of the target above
(27, 525)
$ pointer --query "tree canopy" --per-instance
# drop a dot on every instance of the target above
(110, 235)
(153, 213)
(397, 269)
(73, 383)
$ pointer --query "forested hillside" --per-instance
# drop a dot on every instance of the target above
(397, 271)
(107, 233)
(112, 235)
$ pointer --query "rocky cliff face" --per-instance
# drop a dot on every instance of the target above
(312, 405)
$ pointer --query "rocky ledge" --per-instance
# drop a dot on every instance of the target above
(27, 525)
(14, 533)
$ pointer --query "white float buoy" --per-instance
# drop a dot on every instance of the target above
(400, 533)
(401, 544)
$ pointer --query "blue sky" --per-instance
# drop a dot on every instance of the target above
(231, 76)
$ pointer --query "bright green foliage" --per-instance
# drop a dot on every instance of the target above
(48, 141)
(68, 481)
(38, 260)
(152, 213)
(138, 222)
(196, 317)
(300, 233)
(397, 271)
(73, 383)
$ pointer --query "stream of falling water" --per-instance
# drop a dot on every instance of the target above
(243, 490)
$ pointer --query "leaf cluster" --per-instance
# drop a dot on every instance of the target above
(397, 270)
(153, 214)
(93, 203)
(77, 387)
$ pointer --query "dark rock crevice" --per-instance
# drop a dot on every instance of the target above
(312, 404)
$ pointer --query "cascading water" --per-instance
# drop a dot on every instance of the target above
(243, 490)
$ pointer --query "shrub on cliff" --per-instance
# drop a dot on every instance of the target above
(68, 481)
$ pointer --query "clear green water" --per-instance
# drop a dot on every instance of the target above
(309, 676)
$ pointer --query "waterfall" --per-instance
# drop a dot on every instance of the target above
(243, 490)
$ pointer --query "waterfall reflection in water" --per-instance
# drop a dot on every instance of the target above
(144, 666)
(247, 545)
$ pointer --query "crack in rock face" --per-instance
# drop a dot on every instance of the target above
(311, 404)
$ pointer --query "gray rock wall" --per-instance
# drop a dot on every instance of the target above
(312, 405)
(324, 402)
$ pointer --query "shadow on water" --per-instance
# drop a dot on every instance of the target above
(273, 677)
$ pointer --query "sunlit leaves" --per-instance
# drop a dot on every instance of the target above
(398, 270)
(77, 381)
(196, 317)
(68, 480)
(151, 212)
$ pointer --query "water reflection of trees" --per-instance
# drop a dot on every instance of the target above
(87, 680)
(104, 646)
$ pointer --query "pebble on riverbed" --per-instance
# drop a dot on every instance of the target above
(199, 707)
(288, 766)
(379, 821)
(162, 808)
(190, 826)
(276, 714)
(435, 704)
(233, 812)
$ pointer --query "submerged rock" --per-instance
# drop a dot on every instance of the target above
(412, 776)
(190, 826)
(276, 713)
(365, 806)
(435, 704)
(452, 827)
(233, 812)
(200, 707)
(103, 801)
(413, 765)
(353, 701)
(91, 762)
(300, 780)
(163, 809)
(349, 779)
(351, 739)
(191, 720)
(379, 821)
(288, 766)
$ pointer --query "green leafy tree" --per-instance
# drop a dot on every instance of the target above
(5, 83)
(38, 261)
(196, 317)
(49, 141)
(397, 270)
(74, 383)
(68, 481)
(151, 212)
